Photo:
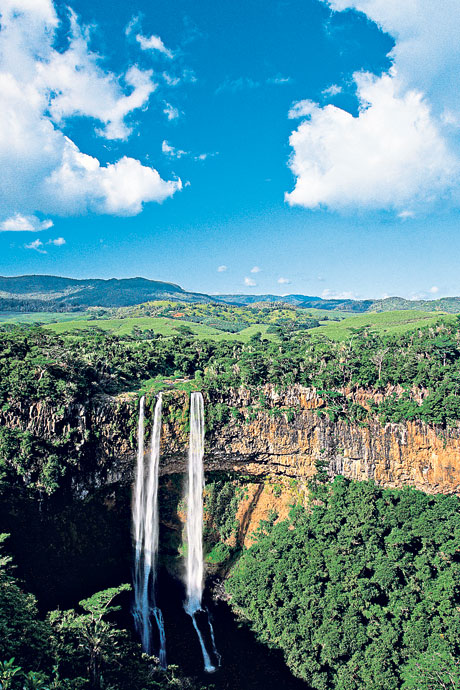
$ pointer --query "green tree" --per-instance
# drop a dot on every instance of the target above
(432, 670)
(22, 634)
(88, 639)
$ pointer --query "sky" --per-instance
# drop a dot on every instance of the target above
(305, 146)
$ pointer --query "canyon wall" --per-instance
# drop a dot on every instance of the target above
(270, 433)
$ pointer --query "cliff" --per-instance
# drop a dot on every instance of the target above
(271, 434)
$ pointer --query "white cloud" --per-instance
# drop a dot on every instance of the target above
(40, 89)
(284, 281)
(37, 246)
(389, 155)
(120, 188)
(20, 223)
(403, 147)
(154, 43)
(255, 269)
(221, 269)
(434, 290)
(170, 111)
(172, 151)
(332, 90)
(250, 282)
(301, 109)
(76, 85)
(58, 242)
(170, 80)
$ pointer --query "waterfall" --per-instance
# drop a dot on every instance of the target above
(146, 527)
(194, 526)
(194, 565)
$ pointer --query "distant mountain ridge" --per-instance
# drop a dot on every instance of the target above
(304, 301)
(55, 293)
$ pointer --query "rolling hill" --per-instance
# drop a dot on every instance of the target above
(46, 293)
(53, 293)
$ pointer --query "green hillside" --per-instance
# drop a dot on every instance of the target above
(450, 305)
(225, 322)
(162, 326)
(53, 293)
(393, 322)
(45, 293)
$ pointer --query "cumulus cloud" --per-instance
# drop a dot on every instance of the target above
(58, 242)
(77, 85)
(284, 281)
(221, 269)
(41, 88)
(37, 245)
(401, 148)
(389, 155)
(249, 282)
(20, 223)
(255, 269)
(434, 290)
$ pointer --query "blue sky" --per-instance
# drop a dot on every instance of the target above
(304, 146)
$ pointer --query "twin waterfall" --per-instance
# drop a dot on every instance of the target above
(146, 530)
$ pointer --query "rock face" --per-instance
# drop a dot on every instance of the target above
(287, 436)
(271, 434)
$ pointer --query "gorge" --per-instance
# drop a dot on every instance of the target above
(309, 495)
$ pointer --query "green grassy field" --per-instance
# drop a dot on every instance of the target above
(164, 326)
(41, 317)
(388, 322)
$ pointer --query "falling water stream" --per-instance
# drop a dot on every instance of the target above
(194, 525)
(146, 528)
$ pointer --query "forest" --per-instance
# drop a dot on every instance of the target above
(360, 591)
(419, 368)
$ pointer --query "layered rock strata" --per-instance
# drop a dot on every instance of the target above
(268, 433)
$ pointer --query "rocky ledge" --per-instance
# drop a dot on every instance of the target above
(269, 433)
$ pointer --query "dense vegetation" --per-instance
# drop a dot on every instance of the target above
(360, 591)
(39, 366)
(71, 650)
(225, 317)
(53, 293)
(221, 499)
